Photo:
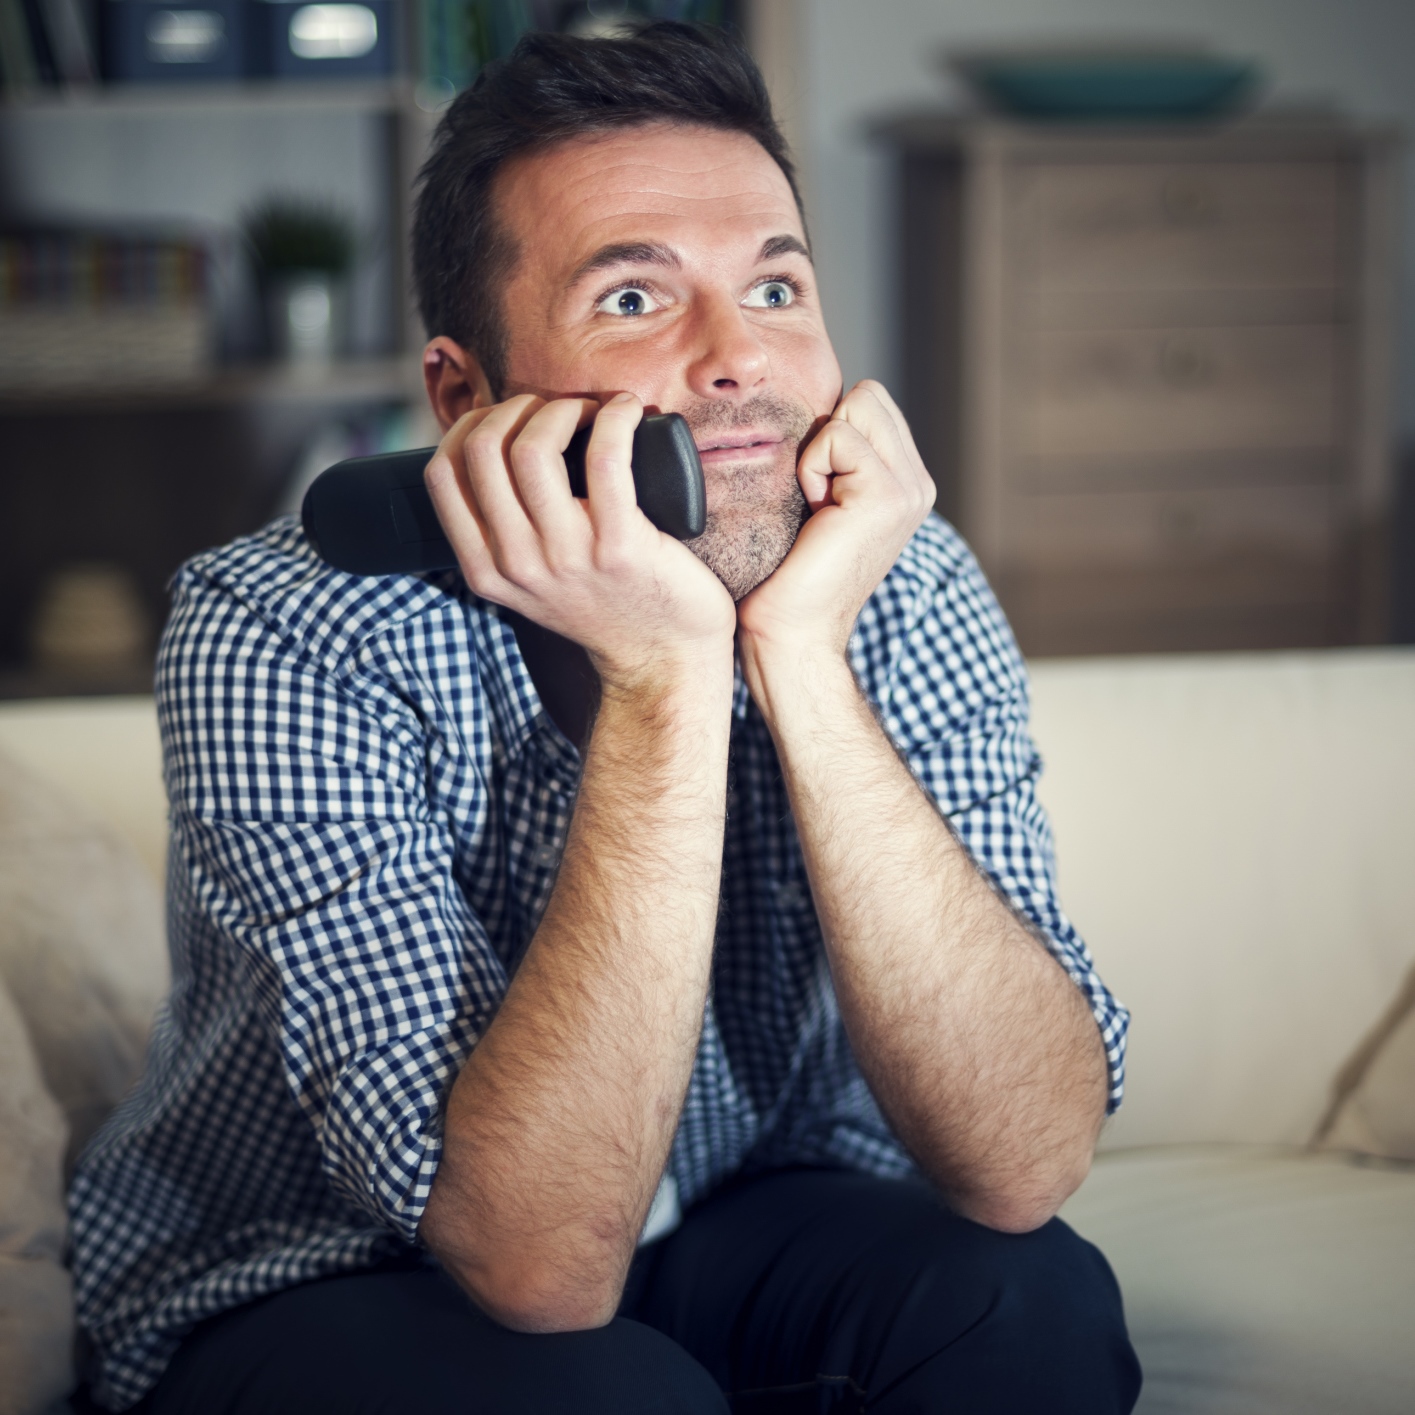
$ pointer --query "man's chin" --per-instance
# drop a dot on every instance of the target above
(742, 547)
(755, 507)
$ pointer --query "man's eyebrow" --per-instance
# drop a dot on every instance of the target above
(625, 253)
(775, 246)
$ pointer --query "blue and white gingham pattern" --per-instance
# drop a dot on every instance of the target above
(368, 809)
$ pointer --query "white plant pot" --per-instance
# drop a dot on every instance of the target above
(307, 316)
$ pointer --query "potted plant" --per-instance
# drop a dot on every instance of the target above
(303, 252)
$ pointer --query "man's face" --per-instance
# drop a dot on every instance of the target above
(669, 261)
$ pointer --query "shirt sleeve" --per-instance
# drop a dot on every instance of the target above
(955, 702)
(307, 853)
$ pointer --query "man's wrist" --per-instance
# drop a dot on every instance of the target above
(689, 681)
(804, 685)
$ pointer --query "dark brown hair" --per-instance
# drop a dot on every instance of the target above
(555, 86)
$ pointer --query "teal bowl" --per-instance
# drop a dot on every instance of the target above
(1134, 87)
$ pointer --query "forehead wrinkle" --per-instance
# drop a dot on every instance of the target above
(647, 223)
(659, 177)
(673, 200)
(647, 227)
(671, 156)
(654, 174)
(631, 176)
(736, 207)
(655, 195)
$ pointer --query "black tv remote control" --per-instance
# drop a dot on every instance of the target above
(373, 516)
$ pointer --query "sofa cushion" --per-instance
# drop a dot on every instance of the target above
(104, 753)
(36, 1297)
(1233, 840)
(1373, 1101)
(82, 948)
(1260, 1281)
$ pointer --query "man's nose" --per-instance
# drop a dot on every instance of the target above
(730, 358)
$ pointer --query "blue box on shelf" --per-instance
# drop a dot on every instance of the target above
(147, 40)
(292, 39)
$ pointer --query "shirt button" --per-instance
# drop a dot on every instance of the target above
(544, 856)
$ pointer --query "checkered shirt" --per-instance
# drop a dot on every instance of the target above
(368, 806)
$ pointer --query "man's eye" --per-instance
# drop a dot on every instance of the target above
(629, 302)
(770, 295)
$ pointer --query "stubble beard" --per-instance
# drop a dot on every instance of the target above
(758, 509)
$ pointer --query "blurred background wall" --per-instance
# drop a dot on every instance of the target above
(858, 60)
(838, 65)
(110, 474)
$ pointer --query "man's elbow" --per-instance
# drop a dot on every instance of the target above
(542, 1312)
(1029, 1200)
(526, 1298)
(1007, 1214)
(522, 1285)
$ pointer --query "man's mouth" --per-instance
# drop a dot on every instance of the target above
(739, 446)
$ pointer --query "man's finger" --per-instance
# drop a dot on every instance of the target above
(465, 526)
(864, 408)
(537, 460)
(833, 461)
(484, 472)
(441, 478)
(883, 396)
(609, 479)
(870, 408)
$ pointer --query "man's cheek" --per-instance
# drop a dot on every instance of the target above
(620, 363)
(803, 362)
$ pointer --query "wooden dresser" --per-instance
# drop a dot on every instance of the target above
(1148, 368)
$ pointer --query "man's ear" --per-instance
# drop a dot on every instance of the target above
(455, 381)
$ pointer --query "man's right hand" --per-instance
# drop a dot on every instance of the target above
(596, 571)
(558, 1126)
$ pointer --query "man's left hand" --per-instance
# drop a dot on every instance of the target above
(868, 491)
(981, 1052)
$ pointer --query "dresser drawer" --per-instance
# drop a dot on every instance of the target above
(1165, 225)
(1270, 530)
(1176, 391)
(1110, 611)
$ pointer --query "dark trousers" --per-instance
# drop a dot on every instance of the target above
(802, 1291)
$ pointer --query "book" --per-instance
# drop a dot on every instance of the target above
(71, 41)
(40, 46)
(100, 270)
(460, 36)
(456, 39)
(16, 56)
(80, 308)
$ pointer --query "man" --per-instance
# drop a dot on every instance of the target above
(517, 914)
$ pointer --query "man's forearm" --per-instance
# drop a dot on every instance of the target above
(560, 1122)
(980, 1049)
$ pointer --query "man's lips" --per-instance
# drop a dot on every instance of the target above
(739, 447)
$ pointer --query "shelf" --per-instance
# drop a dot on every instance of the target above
(21, 682)
(360, 380)
(218, 95)
(931, 129)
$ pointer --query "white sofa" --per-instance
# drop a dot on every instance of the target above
(1236, 837)
(1236, 840)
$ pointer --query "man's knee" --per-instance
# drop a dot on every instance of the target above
(1047, 1328)
(641, 1370)
(410, 1340)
